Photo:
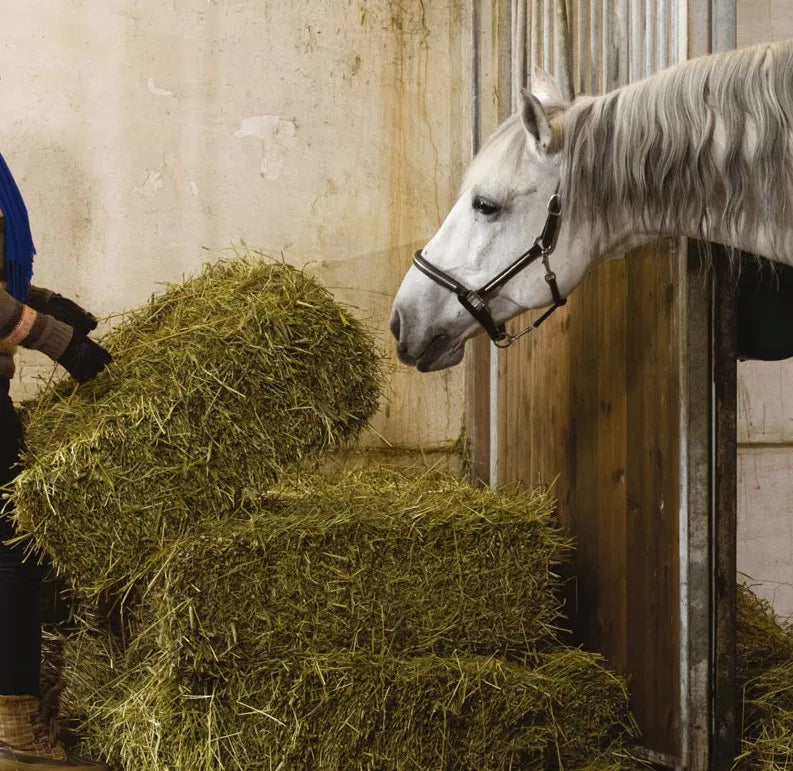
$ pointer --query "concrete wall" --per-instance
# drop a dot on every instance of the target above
(765, 409)
(333, 133)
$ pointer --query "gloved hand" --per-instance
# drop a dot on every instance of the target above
(68, 311)
(84, 359)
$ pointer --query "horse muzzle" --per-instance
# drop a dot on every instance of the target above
(438, 352)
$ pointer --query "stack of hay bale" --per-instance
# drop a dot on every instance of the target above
(231, 615)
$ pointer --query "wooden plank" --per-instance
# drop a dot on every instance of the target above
(652, 573)
(591, 402)
(696, 650)
(477, 408)
(492, 68)
(611, 434)
(534, 456)
(598, 514)
(477, 357)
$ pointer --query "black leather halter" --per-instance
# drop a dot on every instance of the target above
(475, 301)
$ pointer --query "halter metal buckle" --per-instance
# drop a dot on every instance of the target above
(476, 300)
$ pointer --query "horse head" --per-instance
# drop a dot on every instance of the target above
(503, 207)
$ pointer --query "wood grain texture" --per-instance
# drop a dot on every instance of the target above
(653, 570)
(590, 403)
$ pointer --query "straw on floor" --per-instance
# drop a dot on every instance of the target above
(765, 681)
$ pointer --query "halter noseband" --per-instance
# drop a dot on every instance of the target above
(475, 301)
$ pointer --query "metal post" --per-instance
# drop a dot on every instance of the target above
(477, 364)
(695, 556)
(709, 696)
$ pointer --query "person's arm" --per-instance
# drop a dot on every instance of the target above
(21, 324)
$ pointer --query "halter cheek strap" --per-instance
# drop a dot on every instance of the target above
(475, 301)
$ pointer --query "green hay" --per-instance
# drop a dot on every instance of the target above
(378, 561)
(217, 384)
(765, 680)
(351, 711)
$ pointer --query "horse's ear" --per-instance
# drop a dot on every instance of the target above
(545, 88)
(534, 119)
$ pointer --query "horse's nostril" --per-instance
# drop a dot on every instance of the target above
(395, 325)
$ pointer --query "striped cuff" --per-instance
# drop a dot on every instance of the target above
(22, 329)
(49, 336)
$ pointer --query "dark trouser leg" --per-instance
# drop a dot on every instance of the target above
(20, 581)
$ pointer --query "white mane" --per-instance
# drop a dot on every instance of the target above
(715, 129)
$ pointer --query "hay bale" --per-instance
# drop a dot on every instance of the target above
(217, 384)
(353, 711)
(377, 560)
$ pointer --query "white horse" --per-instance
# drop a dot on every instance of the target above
(703, 149)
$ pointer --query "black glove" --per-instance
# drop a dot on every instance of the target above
(83, 358)
(64, 309)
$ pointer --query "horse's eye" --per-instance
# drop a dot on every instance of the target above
(484, 206)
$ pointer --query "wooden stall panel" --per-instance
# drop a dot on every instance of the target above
(653, 474)
(590, 405)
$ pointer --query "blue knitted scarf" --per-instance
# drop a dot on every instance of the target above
(18, 246)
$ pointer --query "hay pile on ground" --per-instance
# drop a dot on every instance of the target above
(349, 711)
(765, 678)
(217, 384)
